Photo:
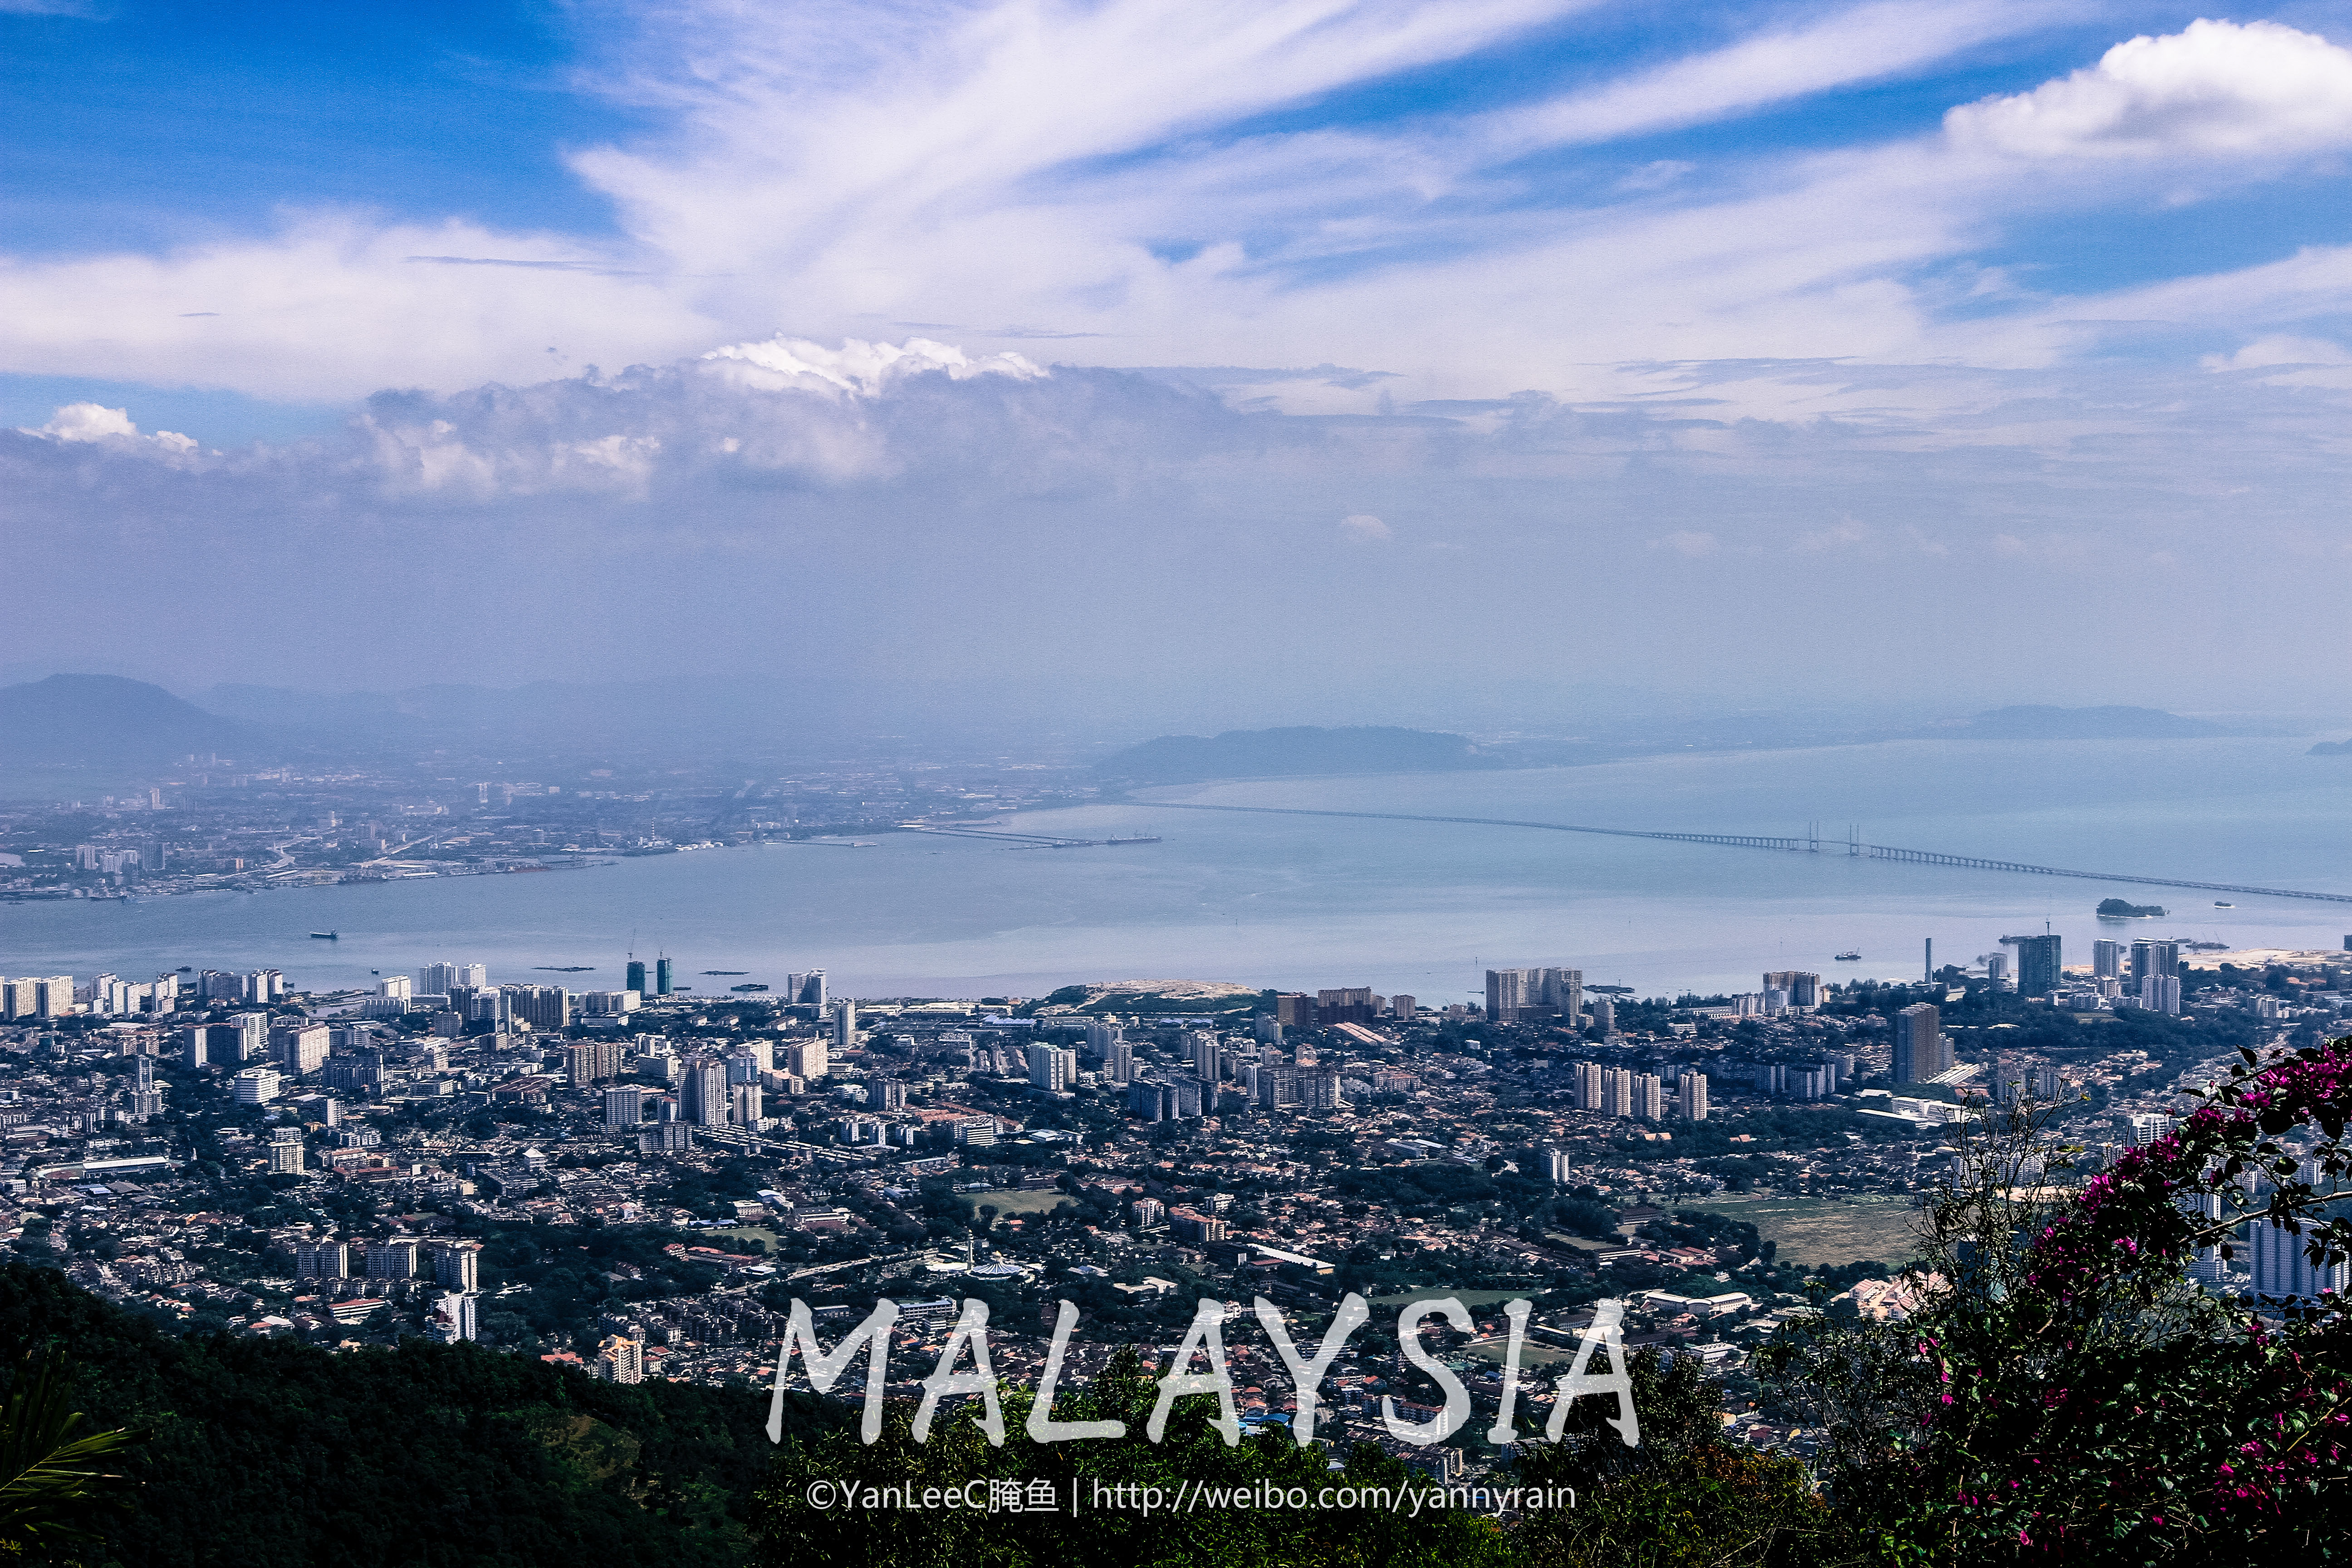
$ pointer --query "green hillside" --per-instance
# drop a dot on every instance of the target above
(272, 1454)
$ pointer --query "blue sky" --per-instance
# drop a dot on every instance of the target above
(1997, 237)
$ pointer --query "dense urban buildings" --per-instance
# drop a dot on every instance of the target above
(641, 1186)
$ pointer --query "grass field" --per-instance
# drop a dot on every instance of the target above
(1821, 1230)
(1014, 1202)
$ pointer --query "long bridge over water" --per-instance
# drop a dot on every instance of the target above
(1808, 843)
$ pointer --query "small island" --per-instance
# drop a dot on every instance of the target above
(2117, 909)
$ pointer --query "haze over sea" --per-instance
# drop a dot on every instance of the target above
(1302, 901)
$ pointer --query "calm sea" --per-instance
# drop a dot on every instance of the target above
(1401, 905)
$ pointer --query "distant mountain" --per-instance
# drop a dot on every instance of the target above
(2041, 723)
(1293, 752)
(2331, 749)
(104, 721)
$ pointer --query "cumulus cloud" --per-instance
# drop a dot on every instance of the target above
(857, 367)
(1162, 553)
(1363, 527)
(93, 422)
(2214, 89)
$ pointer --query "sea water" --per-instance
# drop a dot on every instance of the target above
(1300, 902)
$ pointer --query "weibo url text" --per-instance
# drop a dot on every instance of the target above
(1081, 1496)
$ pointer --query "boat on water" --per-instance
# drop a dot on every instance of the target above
(1847, 957)
(2223, 904)
(326, 936)
(747, 989)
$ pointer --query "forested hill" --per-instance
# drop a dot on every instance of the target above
(272, 1454)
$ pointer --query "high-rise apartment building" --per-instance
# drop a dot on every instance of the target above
(1803, 987)
(1051, 1068)
(1295, 1010)
(1616, 1091)
(664, 977)
(393, 1259)
(2106, 960)
(540, 1006)
(620, 1358)
(1202, 1045)
(2040, 966)
(1586, 1082)
(2282, 1268)
(703, 1097)
(744, 1107)
(286, 1153)
(458, 1265)
(437, 979)
(623, 1108)
(252, 1036)
(321, 1260)
(1515, 993)
(1690, 1096)
(1921, 1051)
(634, 976)
(1647, 1101)
(298, 1048)
(1344, 1004)
(2160, 993)
(1400, 1007)
(1118, 1063)
(808, 1059)
(811, 990)
(844, 1025)
(591, 1061)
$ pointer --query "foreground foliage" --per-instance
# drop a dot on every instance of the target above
(273, 1453)
(2066, 1392)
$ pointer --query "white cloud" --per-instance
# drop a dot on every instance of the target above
(857, 367)
(2213, 89)
(1688, 544)
(1363, 527)
(2279, 348)
(94, 422)
(1861, 43)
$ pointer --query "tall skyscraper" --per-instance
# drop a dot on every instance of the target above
(743, 1106)
(634, 976)
(1118, 1063)
(1921, 1052)
(812, 993)
(663, 976)
(2151, 957)
(624, 1108)
(437, 979)
(1804, 988)
(1587, 1085)
(2106, 960)
(2039, 965)
(1604, 1014)
(844, 1025)
(2160, 993)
